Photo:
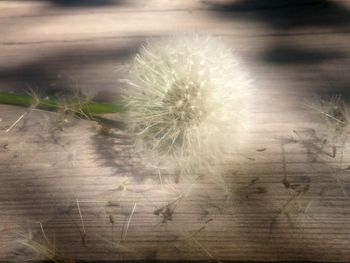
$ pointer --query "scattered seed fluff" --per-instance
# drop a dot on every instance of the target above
(186, 101)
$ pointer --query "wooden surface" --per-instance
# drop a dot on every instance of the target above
(88, 194)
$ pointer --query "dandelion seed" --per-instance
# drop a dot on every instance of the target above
(129, 220)
(44, 235)
(336, 114)
(39, 251)
(205, 250)
(81, 216)
(83, 235)
(186, 101)
(17, 121)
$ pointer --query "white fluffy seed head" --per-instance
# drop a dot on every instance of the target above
(186, 101)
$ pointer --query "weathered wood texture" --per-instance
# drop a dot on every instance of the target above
(89, 195)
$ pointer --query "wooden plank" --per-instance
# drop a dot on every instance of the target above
(284, 196)
(76, 25)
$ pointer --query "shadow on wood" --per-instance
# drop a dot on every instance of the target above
(287, 14)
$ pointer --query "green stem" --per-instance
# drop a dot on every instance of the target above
(89, 108)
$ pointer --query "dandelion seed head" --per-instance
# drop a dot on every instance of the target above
(187, 99)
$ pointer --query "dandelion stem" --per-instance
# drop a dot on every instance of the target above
(89, 108)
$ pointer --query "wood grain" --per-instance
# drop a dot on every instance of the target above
(71, 187)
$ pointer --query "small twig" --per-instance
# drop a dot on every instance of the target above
(129, 220)
(17, 121)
